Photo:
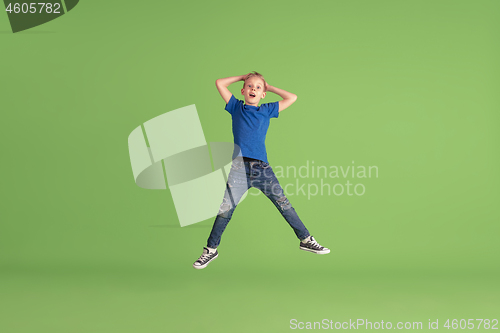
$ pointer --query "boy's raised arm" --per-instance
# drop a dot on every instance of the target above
(288, 97)
(222, 85)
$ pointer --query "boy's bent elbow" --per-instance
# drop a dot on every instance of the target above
(219, 83)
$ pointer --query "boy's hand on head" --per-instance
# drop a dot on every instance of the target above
(223, 83)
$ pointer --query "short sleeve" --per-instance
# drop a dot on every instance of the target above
(231, 105)
(272, 109)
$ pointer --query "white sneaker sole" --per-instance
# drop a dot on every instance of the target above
(325, 251)
(203, 266)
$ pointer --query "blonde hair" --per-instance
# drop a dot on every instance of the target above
(254, 73)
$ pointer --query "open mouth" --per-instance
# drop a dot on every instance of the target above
(252, 94)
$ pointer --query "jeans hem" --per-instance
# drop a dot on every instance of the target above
(305, 237)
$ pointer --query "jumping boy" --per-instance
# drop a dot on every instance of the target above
(251, 168)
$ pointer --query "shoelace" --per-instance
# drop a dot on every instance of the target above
(315, 245)
(204, 257)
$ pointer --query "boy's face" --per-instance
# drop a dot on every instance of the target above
(253, 91)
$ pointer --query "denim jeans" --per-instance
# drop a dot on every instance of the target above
(253, 173)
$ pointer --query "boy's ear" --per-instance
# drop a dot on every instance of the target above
(242, 91)
(264, 94)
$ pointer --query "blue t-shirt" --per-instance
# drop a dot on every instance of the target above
(250, 124)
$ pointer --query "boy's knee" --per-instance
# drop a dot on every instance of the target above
(225, 209)
(284, 203)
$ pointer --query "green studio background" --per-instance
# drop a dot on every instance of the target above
(408, 86)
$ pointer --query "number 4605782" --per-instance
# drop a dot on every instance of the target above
(463, 324)
(25, 8)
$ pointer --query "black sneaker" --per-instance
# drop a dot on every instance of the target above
(312, 246)
(205, 258)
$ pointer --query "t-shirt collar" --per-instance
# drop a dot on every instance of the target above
(246, 106)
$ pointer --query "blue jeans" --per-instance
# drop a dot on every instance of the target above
(253, 173)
